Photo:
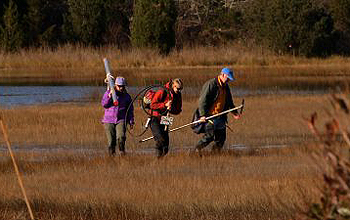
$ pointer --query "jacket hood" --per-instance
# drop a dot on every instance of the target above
(167, 85)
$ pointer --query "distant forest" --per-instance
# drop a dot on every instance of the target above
(300, 27)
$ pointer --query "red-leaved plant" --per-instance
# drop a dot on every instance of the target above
(332, 157)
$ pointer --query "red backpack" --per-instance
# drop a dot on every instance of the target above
(147, 98)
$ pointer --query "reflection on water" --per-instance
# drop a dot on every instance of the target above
(33, 95)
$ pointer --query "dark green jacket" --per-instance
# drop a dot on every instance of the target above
(209, 94)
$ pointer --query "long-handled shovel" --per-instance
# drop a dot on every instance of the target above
(198, 121)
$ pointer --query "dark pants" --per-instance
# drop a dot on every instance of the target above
(116, 136)
(161, 136)
(215, 131)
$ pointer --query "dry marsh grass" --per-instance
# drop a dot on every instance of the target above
(257, 184)
(76, 64)
(178, 187)
(266, 120)
(76, 57)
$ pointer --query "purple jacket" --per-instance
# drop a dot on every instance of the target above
(116, 114)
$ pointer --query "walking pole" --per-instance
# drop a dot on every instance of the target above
(16, 169)
(198, 121)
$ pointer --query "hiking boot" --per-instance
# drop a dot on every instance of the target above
(199, 147)
(159, 153)
(195, 152)
(216, 149)
(111, 151)
(121, 144)
(199, 152)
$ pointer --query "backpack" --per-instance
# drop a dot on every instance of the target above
(147, 98)
(197, 128)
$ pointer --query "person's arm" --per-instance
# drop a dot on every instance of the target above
(205, 99)
(231, 104)
(158, 101)
(176, 107)
(107, 100)
(236, 115)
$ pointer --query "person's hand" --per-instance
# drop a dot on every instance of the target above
(168, 104)
(236, 116)
(110, 94)
(203, 119)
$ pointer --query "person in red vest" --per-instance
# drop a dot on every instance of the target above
(164, 102)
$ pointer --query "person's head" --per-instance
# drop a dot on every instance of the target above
(226, 75)
(120, 84)
(177, 85)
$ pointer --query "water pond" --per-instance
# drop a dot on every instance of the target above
(12, 96)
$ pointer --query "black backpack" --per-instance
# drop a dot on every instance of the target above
(197, 128)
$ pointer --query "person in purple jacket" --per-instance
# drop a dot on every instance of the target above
(114, 116)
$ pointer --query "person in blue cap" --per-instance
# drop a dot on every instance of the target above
(215, 97)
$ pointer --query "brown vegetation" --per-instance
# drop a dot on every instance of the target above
(266, 120)
(61, 148)
(140, 187)
(332, 158)
(255, 68)
(86, 184)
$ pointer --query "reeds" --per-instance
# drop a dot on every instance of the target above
(178, 187)
(61, 151)
(254, 68)
(266, 120)
(332, 157)
(85, 58)
(65, 184)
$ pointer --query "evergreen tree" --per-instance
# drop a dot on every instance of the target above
(153, 24)
(208, 22)
(340, 10)
(118, 17)
(45, 20)
(11, 35)
(87, 20)
(294, 26)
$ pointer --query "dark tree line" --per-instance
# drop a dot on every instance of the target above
(301, 27)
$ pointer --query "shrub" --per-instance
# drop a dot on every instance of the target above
(153, 24)
(293, 26)
(88, 20)
(333, 159)
(11, 35)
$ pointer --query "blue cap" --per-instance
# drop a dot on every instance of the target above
(228, 72)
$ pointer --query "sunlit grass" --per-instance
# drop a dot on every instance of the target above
(71, 176)
(84, 58)
(254, 67)
(266, 120)
(177, 187)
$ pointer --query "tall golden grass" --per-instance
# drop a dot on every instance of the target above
(79, 57)
(87, 184)
(266, 120)
(254, 67)
(179, 187)
(62, 150)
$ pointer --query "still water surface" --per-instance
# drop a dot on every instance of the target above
(12, 96)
